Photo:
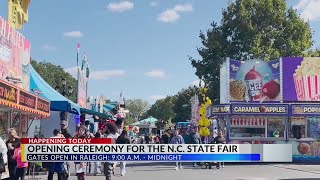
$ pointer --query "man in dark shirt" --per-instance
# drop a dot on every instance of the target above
(165, 138)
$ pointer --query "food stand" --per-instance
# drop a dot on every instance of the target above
(18, 107)
(220, 115)
(304, 132)
(258, 123)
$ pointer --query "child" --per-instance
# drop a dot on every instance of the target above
(21, 166)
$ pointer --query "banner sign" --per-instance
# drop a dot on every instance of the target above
(220, 110)
(305, 109)
(254, 81)
(8, 93)
(27, 100)
(14, 97)
(14, 55)
(301, 79)
(82, 88)
(260, 109)
(43, 105)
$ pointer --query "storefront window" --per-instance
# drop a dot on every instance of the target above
(313, 130)
(276, 127)
(3, 125)
(246, 126)
(297, 127)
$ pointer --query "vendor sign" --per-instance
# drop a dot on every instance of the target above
(220, 110)
(260, 109)
(254, 81)
(305, 109)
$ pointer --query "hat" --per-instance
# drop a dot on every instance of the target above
(64, 123)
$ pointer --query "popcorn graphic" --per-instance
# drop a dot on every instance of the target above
(307, 79)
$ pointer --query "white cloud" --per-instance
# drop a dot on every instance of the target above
(73, 34)
(153, 3)
(172, 15)
(48, 47)
(169, 16)
(98, 75)
(309, 9)
(106, 74)
(183, 8)
(196, 83)
(155, 74)
(73, 71)
(120, 7)
(156, 97)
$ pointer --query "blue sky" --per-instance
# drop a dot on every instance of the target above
(139, 47)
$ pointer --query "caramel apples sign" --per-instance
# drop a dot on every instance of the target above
(276, 109)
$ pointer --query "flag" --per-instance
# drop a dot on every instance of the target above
(18, 13)
(87, 71)
(84, 61)
(78, 47)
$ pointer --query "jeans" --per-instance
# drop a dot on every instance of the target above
(21, 173)
(60, 176)
(108, 170)
(122, 168)
(178, 164)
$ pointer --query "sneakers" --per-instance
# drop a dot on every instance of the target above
(176, 168)
(180, 167)
(223, 166)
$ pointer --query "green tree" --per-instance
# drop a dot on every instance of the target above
(162, 110)
(267, 29)
(182, 105)
(53, 74)
(137, 107)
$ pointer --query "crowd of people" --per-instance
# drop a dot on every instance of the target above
(10, 159)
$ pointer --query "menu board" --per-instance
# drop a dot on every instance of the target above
(8, 93)
(27, 100)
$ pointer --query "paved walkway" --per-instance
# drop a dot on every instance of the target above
(230, 172)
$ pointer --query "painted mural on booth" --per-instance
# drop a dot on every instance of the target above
(14, 55)
(254, 81)
(301, 77)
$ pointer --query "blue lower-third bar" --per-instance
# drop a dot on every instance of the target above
(143, 157)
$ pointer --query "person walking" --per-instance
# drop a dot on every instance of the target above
(177, 139)
(195, 139)
(219, 139)
(21, 169)
(57, 167)
(97, 164)
(111, 132)
(123, 139)
(13, 140)
(81, 166)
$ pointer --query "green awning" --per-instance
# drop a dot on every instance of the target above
(95, 113)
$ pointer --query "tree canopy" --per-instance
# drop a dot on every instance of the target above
(137, 107)
(53, 74)
(267, 29)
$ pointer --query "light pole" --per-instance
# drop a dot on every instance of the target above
(65, 91)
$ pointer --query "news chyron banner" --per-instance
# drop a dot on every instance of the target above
(102, 149)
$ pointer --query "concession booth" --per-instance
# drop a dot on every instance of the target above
(258, 123)
(304, 132)
(273, 102)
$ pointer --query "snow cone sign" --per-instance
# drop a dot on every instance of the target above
(254, 81)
